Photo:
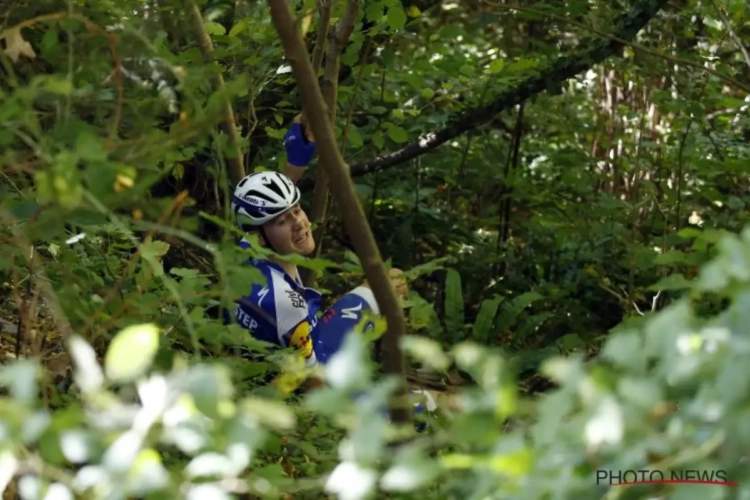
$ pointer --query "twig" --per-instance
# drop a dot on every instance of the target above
(654, 302)
(350, 114)
(737, 40)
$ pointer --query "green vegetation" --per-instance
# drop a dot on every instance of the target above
(564, 183)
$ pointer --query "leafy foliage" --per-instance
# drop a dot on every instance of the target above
(582, 259)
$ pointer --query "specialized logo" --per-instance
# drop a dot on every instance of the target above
(301, 340)
(262, 294)
(255, 201)
(351, 312)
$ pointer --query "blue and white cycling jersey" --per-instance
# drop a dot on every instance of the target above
(284, 312)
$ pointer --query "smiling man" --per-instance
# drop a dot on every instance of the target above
(283, 311)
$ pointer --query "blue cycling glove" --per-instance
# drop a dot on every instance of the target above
(299, 151)
(420, 409)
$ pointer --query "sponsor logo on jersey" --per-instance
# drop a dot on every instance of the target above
(296, 299)
(301, 339)
(351, 312)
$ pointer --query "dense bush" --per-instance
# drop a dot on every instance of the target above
(576, 255)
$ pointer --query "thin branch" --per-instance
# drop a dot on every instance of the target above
(737, 40)
(229, 124)
(324, 23)
(337, 40)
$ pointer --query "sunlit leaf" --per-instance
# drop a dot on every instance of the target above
(131, 352)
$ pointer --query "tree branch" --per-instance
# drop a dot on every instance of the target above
(592, 52)
(234, 161)
(324, 24)
(268, 98)
(337, 40)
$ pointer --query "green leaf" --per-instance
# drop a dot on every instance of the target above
(374, 11)
(214, 28)
(20, 378)
(671, 257)
(426, 268)
(59, 85)
(154, 248)
(378, 140)
(482, 328)
(238, 28)
(131, 353)
(427, 351)
(398, 134)
(89, 147)
(624, 349)
(529, 326)
(510, 314)
(88, 374)
(451, 32)
(396, 18)
(211, 387)
(454, 305)
(672, 282)
(152, 252)
(411, 470)
(427, 93)
(422, 314)
(355, 138)
(271, 413)
(466, 70)
(496, 66)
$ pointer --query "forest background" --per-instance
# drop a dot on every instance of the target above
(564, 182)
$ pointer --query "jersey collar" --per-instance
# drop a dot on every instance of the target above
(244, 244)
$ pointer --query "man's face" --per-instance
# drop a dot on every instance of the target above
(290, 233)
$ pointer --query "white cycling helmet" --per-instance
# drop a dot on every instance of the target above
(263, 196)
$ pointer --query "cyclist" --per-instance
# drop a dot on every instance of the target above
(282, 311)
